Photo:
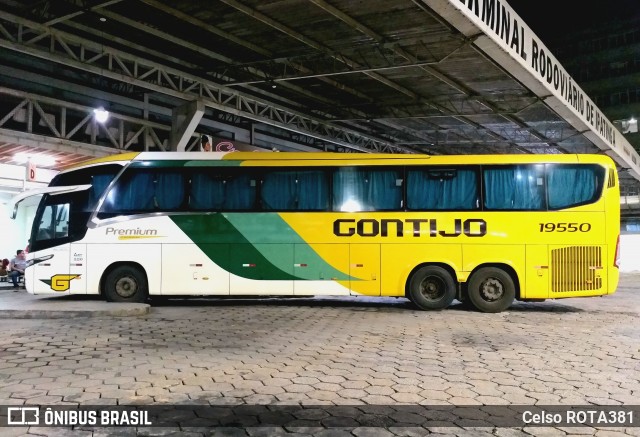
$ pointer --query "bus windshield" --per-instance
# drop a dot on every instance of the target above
(62, 218)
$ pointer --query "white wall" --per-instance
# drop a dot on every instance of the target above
(630, 253)
(15, 233)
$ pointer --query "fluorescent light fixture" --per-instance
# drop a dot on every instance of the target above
(43, 160)
(101, 115)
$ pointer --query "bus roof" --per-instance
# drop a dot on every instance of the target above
(326, 158)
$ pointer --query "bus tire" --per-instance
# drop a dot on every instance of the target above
(126, 284)
(432, 288)
(491, 290)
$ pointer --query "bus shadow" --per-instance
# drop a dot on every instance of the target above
(348, 302)
(352, 303)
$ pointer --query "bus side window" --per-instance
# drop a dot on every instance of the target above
(572, 185)
(313, 190)
(207, 191)
(133, 193)
(449, 189)
(142, 190)
(279, 190)
(220, 189)
(169, 190)
(240, 192)
(295, 190)
(514, 187)
(367, 189)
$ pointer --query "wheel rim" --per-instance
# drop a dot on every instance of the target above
(432, 288)
(126, 286)
(492, 290)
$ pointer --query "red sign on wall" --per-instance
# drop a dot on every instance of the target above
(31, 171)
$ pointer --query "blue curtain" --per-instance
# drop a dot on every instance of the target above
(313, 191)
(571, 185)
(221, 191)
(362, 189)
(170, 191)
(382, 191)
(240, 193)
(349, 187)
(295, 190)
(207, 192)
(431, 189)
(279, 191)
(134, 193)
(99, 183)
(514, 187)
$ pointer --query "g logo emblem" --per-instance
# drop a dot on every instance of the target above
(62, 282)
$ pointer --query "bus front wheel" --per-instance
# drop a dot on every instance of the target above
(491, 290)
(126, 284)
(432, 288)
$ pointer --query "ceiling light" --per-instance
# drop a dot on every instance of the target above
(103, 19)
(101, 115)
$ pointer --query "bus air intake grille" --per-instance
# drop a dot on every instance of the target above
(612, 179)
(576, 268)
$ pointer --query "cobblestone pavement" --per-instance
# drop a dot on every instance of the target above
(350, 352)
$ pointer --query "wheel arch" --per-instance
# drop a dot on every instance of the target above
(114, 266)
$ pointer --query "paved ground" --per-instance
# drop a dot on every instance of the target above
(326, 352)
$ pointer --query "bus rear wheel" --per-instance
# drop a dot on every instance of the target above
(126, 284)
(432, 288)
(491, 290)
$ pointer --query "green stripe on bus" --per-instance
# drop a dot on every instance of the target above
(270, 228)
(254, 246)
(211, 232)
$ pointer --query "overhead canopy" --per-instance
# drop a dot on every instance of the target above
(405, 76)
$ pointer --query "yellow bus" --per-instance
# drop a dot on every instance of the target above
(486, 229)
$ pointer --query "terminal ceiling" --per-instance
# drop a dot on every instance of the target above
(335, 75)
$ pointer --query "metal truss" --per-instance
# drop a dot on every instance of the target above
(501, 134)
(69, 123)
(38, 40)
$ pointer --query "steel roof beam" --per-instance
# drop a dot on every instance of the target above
(105, 61)
(80, 11)
(246, 44)
(316, 45)
(411, 58)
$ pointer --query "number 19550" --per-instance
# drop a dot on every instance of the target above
(565, 227)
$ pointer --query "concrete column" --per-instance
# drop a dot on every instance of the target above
(184, 121)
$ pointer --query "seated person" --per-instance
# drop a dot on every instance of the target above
(17, 266)
(3, 270)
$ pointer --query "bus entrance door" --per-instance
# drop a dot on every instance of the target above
(52, 273)
(364, 269)
(54, 268)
